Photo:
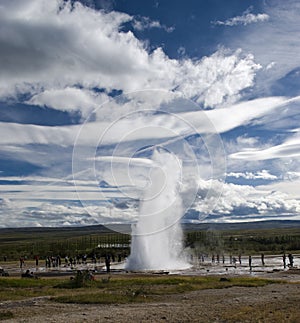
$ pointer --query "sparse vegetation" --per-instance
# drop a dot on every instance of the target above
(78, 241)
(269, 241)
(120, 289)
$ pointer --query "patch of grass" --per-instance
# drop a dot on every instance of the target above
(118, 289)
(190, 283)
(10, 282)
(83, 278)
(6, 315)
(141, 289)
(22, 288)
(102, 298)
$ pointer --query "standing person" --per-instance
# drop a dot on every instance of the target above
(107, 263)
(284, 260)
(240, 259)
(250, 263)
(262, 259)
(36, 260)
(22, 262)
(291, 260)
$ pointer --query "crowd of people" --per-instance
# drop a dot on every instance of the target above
(235, 260)
(69, 261)
(105, 260)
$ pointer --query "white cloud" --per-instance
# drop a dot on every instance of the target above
(70, 99)
(289, 148)
(218, 78)
(47, 47)
(292, 175)
(263, 174)
(245, 19)
(246, 140)
(142, 23)
(274, 43)
(59, 53)
(216, 200)
(244, 201)
(179, 123)
(141, 126)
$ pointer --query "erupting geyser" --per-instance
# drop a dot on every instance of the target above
(157, 236)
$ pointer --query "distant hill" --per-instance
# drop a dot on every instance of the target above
(96, 229)
(260, 225)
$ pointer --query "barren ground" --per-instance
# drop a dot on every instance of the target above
(270, 303)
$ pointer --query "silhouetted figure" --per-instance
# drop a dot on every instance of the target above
(262, 259)
(240, 259)
(250, 263)
(22, 262)
(234, 261)
(284, 260)
(291, 260)
(107, 263)
(36, 261)
(58, 261)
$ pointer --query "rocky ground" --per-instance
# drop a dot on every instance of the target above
(270, 303)
(277, 302)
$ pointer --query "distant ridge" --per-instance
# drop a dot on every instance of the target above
(271, 224)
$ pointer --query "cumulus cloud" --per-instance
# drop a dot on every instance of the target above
(215, 200)
(70, 99)
(69, 57)
(54, 46)
(243, 200)
(57, 215)
(217, 78)
(245, 19)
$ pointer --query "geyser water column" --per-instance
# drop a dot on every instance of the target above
(113, 145)
(157, 236)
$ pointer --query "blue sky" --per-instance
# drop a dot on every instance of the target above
(88, 90)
